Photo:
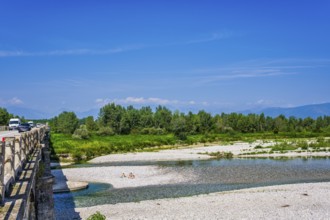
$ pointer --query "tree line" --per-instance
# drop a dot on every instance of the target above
(5, 116)
(117, 119)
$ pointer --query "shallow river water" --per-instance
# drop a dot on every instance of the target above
(208, 176)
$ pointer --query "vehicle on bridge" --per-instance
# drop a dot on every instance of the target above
(39, 125)
(14, 123)
(31, 124)
(24, 127)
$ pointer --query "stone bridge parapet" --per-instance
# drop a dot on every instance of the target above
(25, 178)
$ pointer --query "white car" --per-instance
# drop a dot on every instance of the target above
(14, 123)
(31, 124)
(39, 125)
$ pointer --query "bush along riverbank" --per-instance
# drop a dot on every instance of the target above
(310, 145)
(67, 148)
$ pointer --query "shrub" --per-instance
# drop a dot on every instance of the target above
(219, 155)
(97, 216)
(227, 129)
(81, 133)
(303, 145)
(153, 131)
(89, 154)
(181, 136)
(77, 157)
(105, 131)
(258, 147)
(283, 147)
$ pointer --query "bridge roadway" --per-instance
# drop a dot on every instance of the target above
(12, 133)
(4, 134)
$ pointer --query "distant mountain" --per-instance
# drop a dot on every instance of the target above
(28, 113)
(305, 111)
(92, 112)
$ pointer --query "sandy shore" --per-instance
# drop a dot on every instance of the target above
(143, 176)
(296, 201)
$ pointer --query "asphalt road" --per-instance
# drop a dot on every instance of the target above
(8, 134)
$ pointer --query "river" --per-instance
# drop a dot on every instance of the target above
(208, 176)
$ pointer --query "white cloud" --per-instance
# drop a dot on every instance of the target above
(264, 103)
(71, 52)
(15, 101)
(260, 102)
(99, 101)
(83, 51)
(11, 53)
(132, 100)
(147, 101)
(259, 68)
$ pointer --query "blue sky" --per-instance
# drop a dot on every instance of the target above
(188, 55)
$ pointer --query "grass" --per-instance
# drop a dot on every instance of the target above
(66, 148)
(65, 145)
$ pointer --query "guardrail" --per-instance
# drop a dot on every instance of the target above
(4, 128)
(15, 152)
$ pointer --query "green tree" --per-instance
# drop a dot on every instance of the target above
(292, 124)
(163, 117)
(192, 123)
(243, 123)
(53, 123)
(218, 124)
(146, 117)
(262, 122)
(110, 115)
(308, 123)
(178, 123)
(232, 121)
(125, 124)
(4, 116)
(90, 123)
(66, 122)
(205, 120)
(280, 124)
(318, 124)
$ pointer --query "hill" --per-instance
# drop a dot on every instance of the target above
(305, 111)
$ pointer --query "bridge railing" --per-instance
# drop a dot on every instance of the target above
(4, 128)
(14, 154)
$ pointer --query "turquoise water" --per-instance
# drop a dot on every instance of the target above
(209, 176)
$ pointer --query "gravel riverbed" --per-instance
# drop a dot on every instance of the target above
(293, 201)
(297, 201)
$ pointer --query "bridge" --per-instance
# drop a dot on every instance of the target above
(25, 176)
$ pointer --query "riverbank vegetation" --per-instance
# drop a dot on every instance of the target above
(127, 129)
(283, 146)
(220, 155)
